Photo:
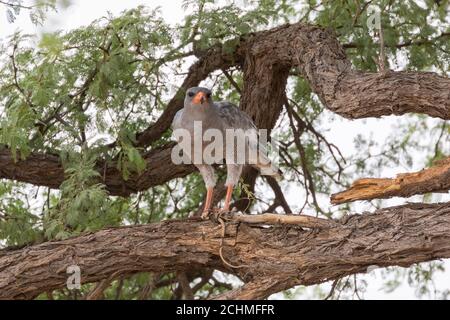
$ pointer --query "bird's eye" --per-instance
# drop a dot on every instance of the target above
(190, 94)
(208, 95)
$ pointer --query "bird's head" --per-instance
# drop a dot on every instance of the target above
(198, 96)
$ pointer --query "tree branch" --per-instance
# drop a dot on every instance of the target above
(293, 219)
(16, 5)
(279, 196)
(47, 170)
(396, 236)
(433, 179)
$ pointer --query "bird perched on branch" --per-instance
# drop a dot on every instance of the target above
(218, 121)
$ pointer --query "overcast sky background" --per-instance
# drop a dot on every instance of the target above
(341, 131)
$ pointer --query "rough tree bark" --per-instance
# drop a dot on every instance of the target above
(433, 179)
(271, 259)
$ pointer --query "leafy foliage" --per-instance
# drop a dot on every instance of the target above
(74, 93)
(37, 9)
(83, 204)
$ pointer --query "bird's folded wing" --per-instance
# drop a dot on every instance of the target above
(233, 117)
(176, 122)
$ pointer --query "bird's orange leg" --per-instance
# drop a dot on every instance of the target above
(226, 206)
(208, 201)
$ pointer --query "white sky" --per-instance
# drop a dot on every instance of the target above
(342, 131)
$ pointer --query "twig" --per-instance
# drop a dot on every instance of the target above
(16, 80)
(436, 145)
(222, 241)
(233, 83)
(333, 288)
(17, 5)
(279, 196)
(356, 287)
(407, 43)
(200, 285)
(186, 289)
(382, 57)
(97, 292)
(149, 287)
(50, 295)
(330, 146)
(309, 183)
(119, 289)
(293, 219)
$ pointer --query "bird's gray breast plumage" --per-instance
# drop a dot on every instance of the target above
(225, 115)
(222, 116)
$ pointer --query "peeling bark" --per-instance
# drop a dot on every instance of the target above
(273, 259)
(274, 218)
(433, 179)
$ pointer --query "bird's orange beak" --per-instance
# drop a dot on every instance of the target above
(199, 98)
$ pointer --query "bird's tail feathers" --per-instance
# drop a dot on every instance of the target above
(261, 161)
(269, 169)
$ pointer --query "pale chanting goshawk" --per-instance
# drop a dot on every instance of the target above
(199, 107)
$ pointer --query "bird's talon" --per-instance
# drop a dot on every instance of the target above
(205, 215)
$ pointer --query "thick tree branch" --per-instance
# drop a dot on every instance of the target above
(47, 170)
(433, 179)
(323, 62)
(345, 91)
(396, 236)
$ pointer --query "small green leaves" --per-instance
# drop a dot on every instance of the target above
(52, 45)
(83, 202)
(15, 129)
(17, 223)
(230, 46)
(130, 161)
